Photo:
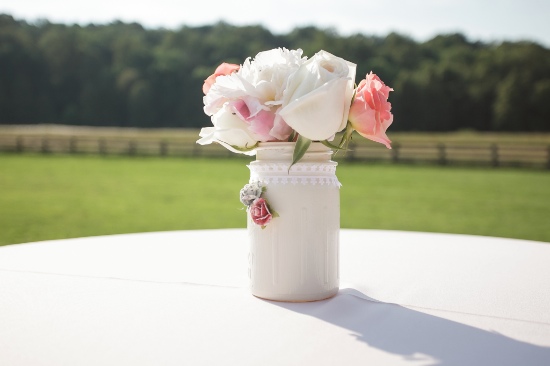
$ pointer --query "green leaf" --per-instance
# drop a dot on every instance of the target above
(331, 146)
(292, 136)
(243, 149)
(302, 144)
(346, 137)
(272, 212)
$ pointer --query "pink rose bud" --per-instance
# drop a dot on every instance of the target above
(369, 113)
(259, 212)
(223, 69)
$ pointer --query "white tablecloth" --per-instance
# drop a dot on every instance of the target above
(181, 298)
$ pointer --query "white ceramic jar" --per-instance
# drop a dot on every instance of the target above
(296, 256)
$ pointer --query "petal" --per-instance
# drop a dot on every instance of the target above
(222, 136)
(281, 130)
(319, 114)
(229, 130)
(207, 135)
(225, 69)
(261, 125)
(380, 137)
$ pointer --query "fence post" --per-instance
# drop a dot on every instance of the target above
(442, 154)
(196, 150)
(102, 146)
(350, 153)
(548, 157)
(132, 147)
(163, 147)
(395, 153)
(19, 147)
(494, 155)
(44, 148)
(72, 145)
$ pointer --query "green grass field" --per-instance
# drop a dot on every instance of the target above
(60, 196)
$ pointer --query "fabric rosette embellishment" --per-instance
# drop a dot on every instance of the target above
(258, 208)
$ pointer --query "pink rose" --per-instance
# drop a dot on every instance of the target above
(264, 123)
(369, 113)
(223, 69)
(259, 212)
(260, 120)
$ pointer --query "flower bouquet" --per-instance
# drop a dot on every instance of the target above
(287, 110)
(281, 95)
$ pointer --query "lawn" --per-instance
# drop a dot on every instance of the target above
(61, 196)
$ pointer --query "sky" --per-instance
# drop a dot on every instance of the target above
(478, 20)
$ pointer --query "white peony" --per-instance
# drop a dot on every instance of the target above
(269, 71)
(255, 92)
(263, 78)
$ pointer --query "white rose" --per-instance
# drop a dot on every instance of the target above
(229, 131)
(318, 95)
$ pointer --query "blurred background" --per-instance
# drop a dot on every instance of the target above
(101, 104)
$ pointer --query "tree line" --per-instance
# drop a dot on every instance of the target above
(123, 74)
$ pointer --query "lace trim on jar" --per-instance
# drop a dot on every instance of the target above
(296, 168)
(298, 180)
(302, 173)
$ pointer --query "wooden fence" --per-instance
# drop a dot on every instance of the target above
(495, 155)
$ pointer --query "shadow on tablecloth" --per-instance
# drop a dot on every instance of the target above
(409, 333)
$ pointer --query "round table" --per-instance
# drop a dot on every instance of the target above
(182, 298)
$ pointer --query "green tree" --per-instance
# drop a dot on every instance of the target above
(122, 74)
